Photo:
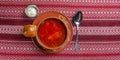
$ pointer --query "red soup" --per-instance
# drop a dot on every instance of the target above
(52, 32)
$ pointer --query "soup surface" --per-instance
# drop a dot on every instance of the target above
(52, 32)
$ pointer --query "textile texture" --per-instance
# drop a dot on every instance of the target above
(99, 32)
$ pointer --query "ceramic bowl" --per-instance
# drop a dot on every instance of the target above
(32, 30)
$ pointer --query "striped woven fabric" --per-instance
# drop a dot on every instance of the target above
(99, 33)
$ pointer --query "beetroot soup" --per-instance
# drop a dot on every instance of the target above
(52, 32)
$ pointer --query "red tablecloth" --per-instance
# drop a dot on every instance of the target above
(99, 33)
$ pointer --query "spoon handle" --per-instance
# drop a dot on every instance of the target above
(76, 42)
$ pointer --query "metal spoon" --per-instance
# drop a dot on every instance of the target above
(77, 21)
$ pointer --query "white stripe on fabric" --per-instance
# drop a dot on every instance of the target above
(110, 30)
(65, 12)
(24, 46)
(90, 1)
(69, 18)
(72, 42)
